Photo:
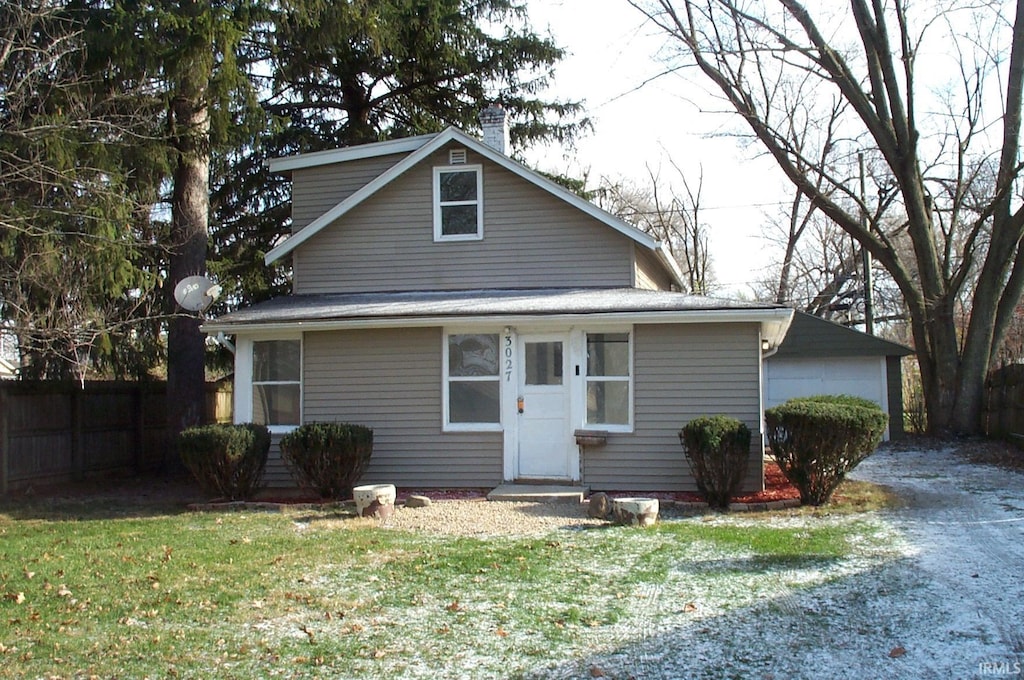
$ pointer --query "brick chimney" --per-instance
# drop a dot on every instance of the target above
(495, 125)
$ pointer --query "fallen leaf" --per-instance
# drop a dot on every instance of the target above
(897, 652)
(596, 672)
(501, 632)
(63, 591)
(689, 607)
(454, 606)
(379, 653)
(29, 574)
(17, 598)
(309, 634)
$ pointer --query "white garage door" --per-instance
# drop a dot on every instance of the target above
(859, 376)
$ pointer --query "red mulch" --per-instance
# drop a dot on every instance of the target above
(776, 488)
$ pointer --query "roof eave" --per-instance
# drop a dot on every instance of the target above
(774, 321)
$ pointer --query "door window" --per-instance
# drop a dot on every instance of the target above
(543, 363)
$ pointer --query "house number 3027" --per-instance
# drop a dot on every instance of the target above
(508, 358)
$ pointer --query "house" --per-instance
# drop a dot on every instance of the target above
(489, 325)
(822, 357)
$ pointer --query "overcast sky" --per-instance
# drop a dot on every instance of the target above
(642, 120)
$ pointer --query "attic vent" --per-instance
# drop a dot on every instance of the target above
(457, 157)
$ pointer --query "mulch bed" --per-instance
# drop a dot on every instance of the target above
(776, 488)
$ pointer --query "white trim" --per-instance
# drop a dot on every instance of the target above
(351, 153)
(420, 153)
(438, 204)
(627, 427)
(243, 383)
(569, 388)
(669, 260)
(774, 322)
(446, 424)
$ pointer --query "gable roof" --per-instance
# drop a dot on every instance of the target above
(420, 148)
(811, 336)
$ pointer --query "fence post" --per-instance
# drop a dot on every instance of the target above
(138, 404)
(5, 443)
(77, 455)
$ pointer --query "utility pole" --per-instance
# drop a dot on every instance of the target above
(869, 312)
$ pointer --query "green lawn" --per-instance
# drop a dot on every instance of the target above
(134, 592)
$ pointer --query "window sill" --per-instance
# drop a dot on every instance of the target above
(473, 427)
(591, 438)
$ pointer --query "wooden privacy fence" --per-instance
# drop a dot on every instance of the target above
(57, 431)
(1004, 402)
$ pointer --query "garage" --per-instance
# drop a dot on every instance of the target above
(822, 357)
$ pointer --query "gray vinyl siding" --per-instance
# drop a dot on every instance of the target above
(531, 239)
(316, 190)
(650, 271)
(390, 380)
(680, 372)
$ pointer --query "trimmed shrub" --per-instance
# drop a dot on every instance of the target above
(717, 449)
(226, 460)
(328, 458)
(817, 440)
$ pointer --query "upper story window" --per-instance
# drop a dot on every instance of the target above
(277, 382)
(458, 204)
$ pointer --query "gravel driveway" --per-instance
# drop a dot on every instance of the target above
(943, 598)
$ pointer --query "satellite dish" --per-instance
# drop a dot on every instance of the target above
(196, 293)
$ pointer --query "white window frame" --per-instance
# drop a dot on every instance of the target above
(587, 379)
(446, 424)
(244, 383)
(438, 204)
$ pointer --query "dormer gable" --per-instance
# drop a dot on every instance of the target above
(416, 150)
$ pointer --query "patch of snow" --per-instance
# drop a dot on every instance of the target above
(936, 591)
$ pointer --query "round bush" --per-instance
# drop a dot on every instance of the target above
(817, 440)
(226, 460)
(328, 458)
(717, 449)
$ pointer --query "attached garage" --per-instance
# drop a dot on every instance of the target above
(821, 357)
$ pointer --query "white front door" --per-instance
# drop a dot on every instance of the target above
(545, 439)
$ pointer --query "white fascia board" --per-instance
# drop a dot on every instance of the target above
(367, 190)
(670, 262)
(774, 322)
(430, 146)
(350, 153)
(561, 192)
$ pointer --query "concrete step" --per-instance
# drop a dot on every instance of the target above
(539, 493)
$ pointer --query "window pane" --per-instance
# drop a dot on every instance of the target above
(472, 355)
(276, 360)
(458, 186)
(475, 401)
(608, 402)
(543, 363)
(608, 354)
(458, 219)
(275, 404)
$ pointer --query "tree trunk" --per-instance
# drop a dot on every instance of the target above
(186, 375)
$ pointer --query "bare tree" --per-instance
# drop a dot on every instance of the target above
(945, 168)
(671, 217)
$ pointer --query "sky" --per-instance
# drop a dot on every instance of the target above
(643, 122)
